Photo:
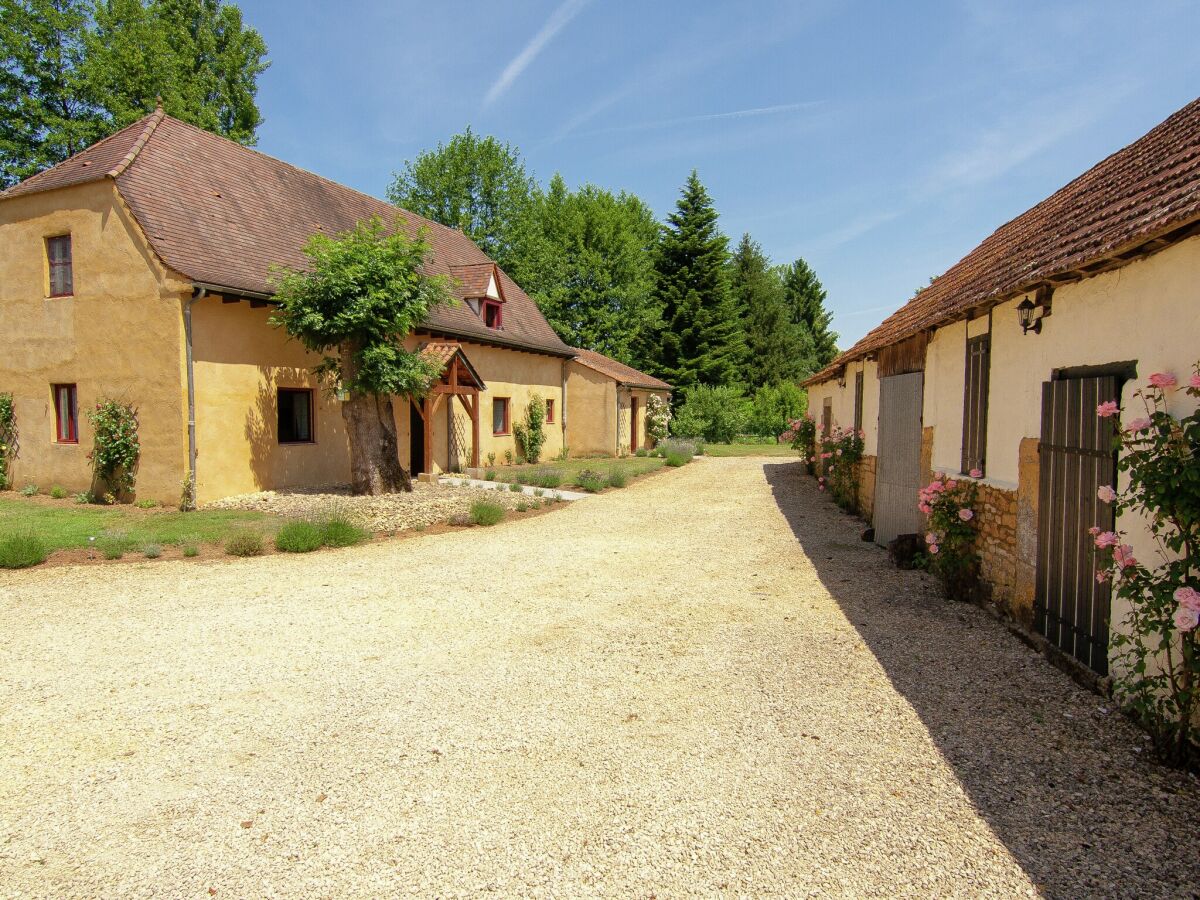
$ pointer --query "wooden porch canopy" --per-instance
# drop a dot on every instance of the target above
(458, 379)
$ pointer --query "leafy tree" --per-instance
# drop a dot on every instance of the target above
(806, 299)
(592, 275)
(701, 340)
(47, 113)
(774, 407)
(477, 185)
(362, 295)
(717, 414)
(778, 350)
(72, 71)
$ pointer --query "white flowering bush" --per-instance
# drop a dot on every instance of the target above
(1158, 673)
(658, 418)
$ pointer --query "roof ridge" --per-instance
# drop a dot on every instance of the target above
(152, 121)
(39, 176)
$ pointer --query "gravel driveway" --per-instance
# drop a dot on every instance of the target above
(668, 690)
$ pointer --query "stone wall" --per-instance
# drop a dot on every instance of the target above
(866, 488)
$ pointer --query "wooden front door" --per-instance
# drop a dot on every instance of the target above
(416, 440)
(898, 480)
(633, 424)
(1076, 457)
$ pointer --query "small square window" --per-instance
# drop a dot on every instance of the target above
(295, 416)
(66, 414)
(493, 314)
(58, 257)
(499, 415)
(550, 412)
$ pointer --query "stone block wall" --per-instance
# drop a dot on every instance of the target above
(866, 488)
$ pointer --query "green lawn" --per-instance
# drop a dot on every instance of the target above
(631, 466)
(64, 525)
(771, 449)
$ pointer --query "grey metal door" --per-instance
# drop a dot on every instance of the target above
(1075, 458)
(898, 478)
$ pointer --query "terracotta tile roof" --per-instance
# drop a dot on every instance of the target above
(441, 352)
(619, 372)
(473, 279)
(1145, 191)
(223, 214)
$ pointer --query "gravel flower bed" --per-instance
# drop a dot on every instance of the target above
(428, 504)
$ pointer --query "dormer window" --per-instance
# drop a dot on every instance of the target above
(493, 314)
(480, 285)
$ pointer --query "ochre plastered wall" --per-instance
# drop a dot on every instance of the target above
(120, 335)
(591, 413)
(624, 434)
(843, 402)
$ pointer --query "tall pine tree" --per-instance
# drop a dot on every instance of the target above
(777, 350)
(806, 299)
(701, 340)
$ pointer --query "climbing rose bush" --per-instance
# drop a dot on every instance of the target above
(949, 505)
(841, 451)
(801, 433)
(658, 418)
(8, 437)
(116, 449)
(1157, 676)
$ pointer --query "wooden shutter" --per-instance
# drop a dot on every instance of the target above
(858, 401)
(975, 403)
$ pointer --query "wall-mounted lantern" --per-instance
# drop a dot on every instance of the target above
(1031, 312)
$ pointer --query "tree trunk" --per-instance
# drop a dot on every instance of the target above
(371, 429)
(374, 454)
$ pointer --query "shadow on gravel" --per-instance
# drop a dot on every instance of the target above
(1053, 771)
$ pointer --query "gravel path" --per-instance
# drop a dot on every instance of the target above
(663, 691)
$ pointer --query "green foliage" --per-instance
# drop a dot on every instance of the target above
(515, 487)
(58, 492)
(801, 433)
(115, 445)
(658, 417)
(364, 292)
(590, 481)
(338, 531)
(1157, 676)
(299, 536)
(491, 459)
(716, 414)
(701, 341)
(484, 512)
(617, 478)
(547, 478)
(949, 505)
(489, 475)
(805, 298)
(74, 71)
(22, 550)
(477, 185)
(115, 544)
(676, 459)
(30, 490)
(187, 493)
(841, 451)
(191, 550)
(530, 435)
(84, 497)
(777, 348)
(147, 503)
(773, 407)
(8, 435)
(244, 543)
(589, 266)
(641, 452)
(508, 458)
(152, 551)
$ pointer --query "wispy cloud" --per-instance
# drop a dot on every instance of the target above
(753, 112)
(559, 19)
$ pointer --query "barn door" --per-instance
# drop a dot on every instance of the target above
(898, 479)
(1076, 457)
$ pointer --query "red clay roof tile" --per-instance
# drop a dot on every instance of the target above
(619, 372)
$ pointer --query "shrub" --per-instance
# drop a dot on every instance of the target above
(152, 551)
(489, 475)
(530, 435)
(590, 481)
(146, 504)
(618, 478)
(564, 454)
(191, 550)
(187, 493)
(801, 433)
(299, 536)
(676, 459)
(8, 437)
(949, 504)
(338, 531)
(522, 506)
(508, 457)
(29, 490)
(84, 497)
(773, 407)
(58, 492)
(547, 478)
(244, 543)
(515, 487)
(114, 544)
(658, 418)
(678, 448)
(841, 451)
(115, 446)
(641, 451)
(491, 458)
(20, 551)
(484, 512)
(716, 414)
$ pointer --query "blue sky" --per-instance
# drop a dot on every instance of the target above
(881, 141)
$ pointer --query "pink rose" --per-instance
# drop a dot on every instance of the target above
(1107, 409)
(1189, 597)
(1094, 530)
(1124, 556)
(976, 473)
(1186, 619)
(933, 548)
(820, 487)
(951, 484)
(931, 538)
(1101, 577)
(1163, 380)
(826, 455)
(925, 508)
(1195, 381)
(1106, 493)
(1138, 424)
(1107, 539)
(966, 514)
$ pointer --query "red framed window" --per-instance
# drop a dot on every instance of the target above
(499, 415)
(58, 255)
(295, 416)
(493, 314)
(550, 412)
(66, 414)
